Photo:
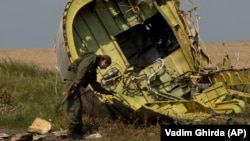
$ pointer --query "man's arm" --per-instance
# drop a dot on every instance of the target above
(69, 93)
(98, 87)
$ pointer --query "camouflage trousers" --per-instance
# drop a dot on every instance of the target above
(74, 111)
(74, 107)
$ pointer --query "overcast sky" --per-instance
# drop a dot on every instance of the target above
(34, 23)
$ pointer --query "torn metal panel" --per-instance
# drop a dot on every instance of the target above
(159, 67)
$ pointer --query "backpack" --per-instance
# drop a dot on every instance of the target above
(73, 66)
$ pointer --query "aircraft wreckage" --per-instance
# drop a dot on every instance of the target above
(159, 65)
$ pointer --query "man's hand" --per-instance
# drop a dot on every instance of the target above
(73, 88)
(111, 92)
(67, 95)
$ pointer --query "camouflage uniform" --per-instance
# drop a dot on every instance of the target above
(83, 73)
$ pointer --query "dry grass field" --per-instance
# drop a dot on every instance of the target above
(46, 58)
(238, 52)
(43, 57)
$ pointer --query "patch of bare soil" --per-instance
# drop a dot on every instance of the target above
(22, 135)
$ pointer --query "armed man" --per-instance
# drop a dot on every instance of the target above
(83, 71)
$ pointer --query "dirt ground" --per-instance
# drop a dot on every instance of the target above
(46, 58)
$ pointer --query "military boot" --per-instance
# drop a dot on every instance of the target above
(75, 132)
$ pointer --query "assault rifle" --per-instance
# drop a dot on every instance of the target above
(67, 95)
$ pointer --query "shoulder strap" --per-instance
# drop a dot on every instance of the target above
(75, 63)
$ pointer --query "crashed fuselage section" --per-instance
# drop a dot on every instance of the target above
(159, 65)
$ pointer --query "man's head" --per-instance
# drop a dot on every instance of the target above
(104, 61)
